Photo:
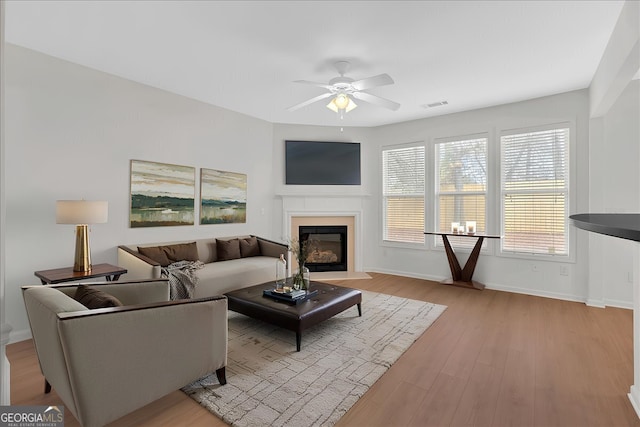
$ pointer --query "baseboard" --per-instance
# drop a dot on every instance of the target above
(634, 398)
(493, 286)
(5, 383)
(17, 336)
(595, 303)
(618, 304)
(536, 293)
(405, 274)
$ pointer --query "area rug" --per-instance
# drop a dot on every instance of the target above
(270, 384)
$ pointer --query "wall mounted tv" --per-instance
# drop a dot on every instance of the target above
(322, 163)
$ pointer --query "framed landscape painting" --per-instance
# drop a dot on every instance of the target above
(223, 197)
(161, 194)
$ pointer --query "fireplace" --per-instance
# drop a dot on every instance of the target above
(316, 211)
(328, 247)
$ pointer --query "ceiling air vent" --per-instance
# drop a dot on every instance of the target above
(435, 104)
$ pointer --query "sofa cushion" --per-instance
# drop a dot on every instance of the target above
(228, 249)
(218, 278)
(92, 298)
(249, 247)
(165, 255)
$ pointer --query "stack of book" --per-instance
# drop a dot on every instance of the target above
(293, 296)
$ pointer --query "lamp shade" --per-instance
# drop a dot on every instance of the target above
(81, 212)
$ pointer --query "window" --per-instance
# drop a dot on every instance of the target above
(403, 194)
(535, 192)
(461, 185)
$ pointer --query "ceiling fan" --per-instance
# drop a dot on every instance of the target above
(343, 89)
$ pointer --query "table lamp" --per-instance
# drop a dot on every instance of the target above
(81, 213)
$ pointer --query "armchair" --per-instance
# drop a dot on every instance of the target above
(107, 362)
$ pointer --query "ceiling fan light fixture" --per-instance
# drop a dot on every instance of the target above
(341, 102)
(342, 90)
(351, 105)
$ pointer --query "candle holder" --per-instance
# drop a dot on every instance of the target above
(454, 227)
(471, 227)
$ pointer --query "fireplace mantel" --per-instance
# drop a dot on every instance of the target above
(323, 194)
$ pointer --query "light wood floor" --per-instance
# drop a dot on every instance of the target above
(492, 359)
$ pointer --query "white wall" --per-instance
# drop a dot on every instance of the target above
(282, 132)
(5, 328)
(369, 153)
(615, 179)
(614, 150)
(71, 133)
(620, 61)
(329, 199)
(495, 271)
(615, 188)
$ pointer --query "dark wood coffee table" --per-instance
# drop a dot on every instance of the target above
(329, 301)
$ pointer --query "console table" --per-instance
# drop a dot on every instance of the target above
(463, 276)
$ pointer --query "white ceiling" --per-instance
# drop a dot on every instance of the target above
(244, 56)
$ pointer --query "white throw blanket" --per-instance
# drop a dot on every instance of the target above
(182, 278)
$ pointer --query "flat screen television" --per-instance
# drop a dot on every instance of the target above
(322, 163)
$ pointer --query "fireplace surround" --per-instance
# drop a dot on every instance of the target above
(320, 209)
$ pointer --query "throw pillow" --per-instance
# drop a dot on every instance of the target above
(165, 255)
(249, 247)
(92, 298)
(155, 253)
(228, 249)
(182, 252)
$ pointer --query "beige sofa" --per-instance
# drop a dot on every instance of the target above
(229, 262)
(107, 362)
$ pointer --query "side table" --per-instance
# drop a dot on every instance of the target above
(66, 274)
(463, 276)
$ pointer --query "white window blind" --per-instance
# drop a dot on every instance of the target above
(535, 192)
(461, 186)
(403, 194)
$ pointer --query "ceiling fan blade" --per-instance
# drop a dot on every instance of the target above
(368, 83)
(310, 101)
(307, 82)
(376, 100)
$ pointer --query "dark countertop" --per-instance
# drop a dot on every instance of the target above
(624, 226)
